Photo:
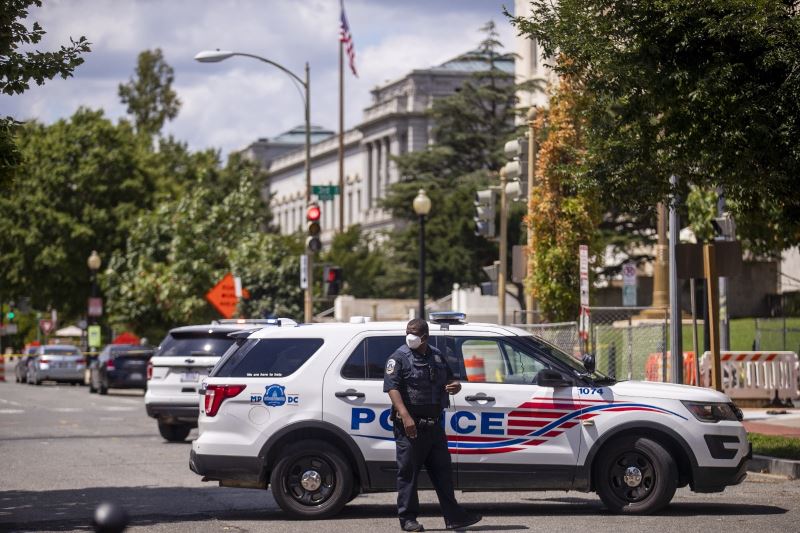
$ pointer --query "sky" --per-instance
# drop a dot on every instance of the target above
(230, 104)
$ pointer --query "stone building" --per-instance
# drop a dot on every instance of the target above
(395, 123)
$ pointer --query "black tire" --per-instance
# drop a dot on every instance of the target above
(335, 480)
(103, 389)
(172, 432)
(652, 479)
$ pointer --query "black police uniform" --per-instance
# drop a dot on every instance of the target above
(421, 381)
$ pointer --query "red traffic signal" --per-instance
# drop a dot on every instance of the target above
(333, 280)
(313, 213)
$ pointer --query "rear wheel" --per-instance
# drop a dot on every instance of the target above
(312, 479)
(635, 475)
(103, 388)
(172, 432)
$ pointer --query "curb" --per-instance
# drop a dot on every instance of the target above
(774, 465)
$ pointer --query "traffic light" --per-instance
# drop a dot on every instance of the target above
(333, 280)
(485, 201)
(313, 215)
(489, 288)
(11, 315)
(516, 170)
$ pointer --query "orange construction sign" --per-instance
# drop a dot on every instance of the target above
(223, 296)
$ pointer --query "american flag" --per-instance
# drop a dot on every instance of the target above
(347, 40)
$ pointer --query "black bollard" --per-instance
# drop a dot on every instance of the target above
(110, 518)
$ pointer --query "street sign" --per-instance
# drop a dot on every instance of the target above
(303, 271)
(325, 192)
(727, 257)
(94, 336)
(224, 295)
(95, 307)
(629, 284)
(8, 329)
(583, 256)
(46, 325)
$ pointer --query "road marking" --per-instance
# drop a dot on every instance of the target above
(11, 411)
(115, 408)
(9, 402)
(66, 409)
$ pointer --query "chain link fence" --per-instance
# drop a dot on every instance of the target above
(777, 334)
(629, 342)
(563, 335)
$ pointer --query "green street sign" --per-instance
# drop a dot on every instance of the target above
(325, 192)
(95, 339)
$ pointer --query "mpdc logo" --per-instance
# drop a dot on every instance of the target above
(275, 396)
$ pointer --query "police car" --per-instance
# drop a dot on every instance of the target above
(302, 409)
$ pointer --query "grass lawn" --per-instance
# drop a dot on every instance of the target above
(783, 447)
(743, 333)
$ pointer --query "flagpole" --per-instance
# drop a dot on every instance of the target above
(341, 136)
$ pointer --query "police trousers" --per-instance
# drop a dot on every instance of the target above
(428, 449)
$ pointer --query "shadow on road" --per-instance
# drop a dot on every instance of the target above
(62, 510)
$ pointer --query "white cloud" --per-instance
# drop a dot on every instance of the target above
(228, 105)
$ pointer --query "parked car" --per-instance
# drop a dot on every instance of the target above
(120, 366)
(56, 362)
(21, 368)
(181, 362)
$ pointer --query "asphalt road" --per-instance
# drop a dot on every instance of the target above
(63, 451)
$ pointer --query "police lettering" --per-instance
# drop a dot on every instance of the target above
(461, 422)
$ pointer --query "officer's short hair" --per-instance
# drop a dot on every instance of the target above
(418, 326)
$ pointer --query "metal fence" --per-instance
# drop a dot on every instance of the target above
(629, 342)
(777, 334)
(564, 335)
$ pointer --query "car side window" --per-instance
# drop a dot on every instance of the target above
(355, 367)
(491, 360)
(378, 351)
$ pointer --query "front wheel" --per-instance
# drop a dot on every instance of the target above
(312, 479)
(635, 475)
(172, 432)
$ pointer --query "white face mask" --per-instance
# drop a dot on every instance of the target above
(413, 341)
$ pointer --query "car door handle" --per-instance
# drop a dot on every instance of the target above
(349, 393)
(479, 398)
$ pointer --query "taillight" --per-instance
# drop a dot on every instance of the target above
(44, 360)
(216, 394)
(149, 370)
(110, 365)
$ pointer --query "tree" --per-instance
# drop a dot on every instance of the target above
(181, 249)
(149, 95)
(18, 68)
(563, 214)
(707, 91)
(470, 128)
(78, 188)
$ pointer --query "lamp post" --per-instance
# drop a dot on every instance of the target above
(422, 206)
(93, 262)
(215, 56)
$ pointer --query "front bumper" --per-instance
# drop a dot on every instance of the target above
(248, 470)
(715, 479)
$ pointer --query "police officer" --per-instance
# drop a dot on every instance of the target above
(418, 381)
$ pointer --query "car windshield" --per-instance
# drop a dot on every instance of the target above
(61, 350)
(193, 346)
(563, 358)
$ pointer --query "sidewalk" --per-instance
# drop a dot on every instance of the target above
(783, 425)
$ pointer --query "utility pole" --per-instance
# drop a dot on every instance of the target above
(529, 303)
(712, 288)
(676, 322)
(501, 274)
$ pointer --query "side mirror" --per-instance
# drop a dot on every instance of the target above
(588, 363)
(552, 378)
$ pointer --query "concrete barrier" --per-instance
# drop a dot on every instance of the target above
(755, 375)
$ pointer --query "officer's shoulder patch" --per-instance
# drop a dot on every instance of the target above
(437, 358)
(390, 366)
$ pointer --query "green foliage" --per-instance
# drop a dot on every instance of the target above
(179, 251)
(775, 446)
(78, 189)
(367, 269)
(705, 90)
(18, 68)
(702, 208)
(149, 95)
(470, 129)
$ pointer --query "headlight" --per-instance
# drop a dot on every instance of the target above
(713, 412)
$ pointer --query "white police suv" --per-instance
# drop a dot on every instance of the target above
(302, 409)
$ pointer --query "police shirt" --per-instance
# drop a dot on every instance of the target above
(420, 378)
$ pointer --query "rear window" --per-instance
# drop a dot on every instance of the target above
(262, 358)
(193, 346)
(62, 351)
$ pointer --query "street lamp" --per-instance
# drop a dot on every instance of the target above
(422, 206)
(215, 56)
(93, 262)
